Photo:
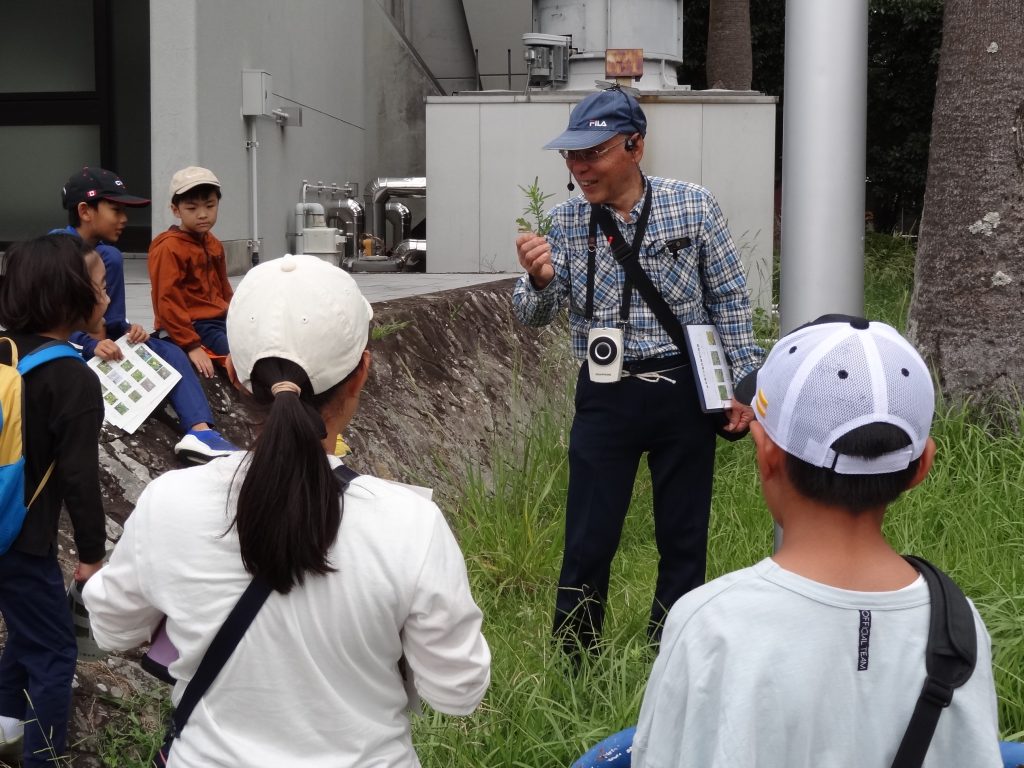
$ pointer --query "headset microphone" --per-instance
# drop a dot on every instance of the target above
(570, 186)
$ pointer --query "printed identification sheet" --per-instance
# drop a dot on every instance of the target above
(710, 367)
(135, 385)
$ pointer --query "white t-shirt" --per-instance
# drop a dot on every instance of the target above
(314, 681)
(763, 668)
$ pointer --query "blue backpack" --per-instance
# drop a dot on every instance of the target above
(12, 436)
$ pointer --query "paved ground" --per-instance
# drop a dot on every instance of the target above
(375, 286)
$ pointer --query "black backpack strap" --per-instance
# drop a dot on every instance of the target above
(344, 476)
(220, 650)
(231, 632)
(950, 656)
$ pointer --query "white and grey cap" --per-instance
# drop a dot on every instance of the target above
(831, 376)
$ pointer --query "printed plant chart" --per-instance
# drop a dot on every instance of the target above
(133, 386)
(710, 367)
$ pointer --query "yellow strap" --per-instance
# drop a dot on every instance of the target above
(42, 483)
(14, 350)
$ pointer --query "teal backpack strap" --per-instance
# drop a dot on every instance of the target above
(51, 350)
(45, 353)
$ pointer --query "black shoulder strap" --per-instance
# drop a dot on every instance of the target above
(950, 656)
(627, 259)
(220, 650)
(344, 476)
(231, 632)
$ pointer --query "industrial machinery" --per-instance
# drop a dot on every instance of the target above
(337, 229)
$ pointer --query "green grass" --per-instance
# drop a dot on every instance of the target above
(966, 517)
(383, 330)
(888, 278)
(132, 739)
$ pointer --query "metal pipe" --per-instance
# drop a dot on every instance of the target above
(320, 188)
(252, 145)
(400, 218)
(823, 160)
(824, 139)
(411, 254)
(301, 209)
(381, 189)
(349, 212)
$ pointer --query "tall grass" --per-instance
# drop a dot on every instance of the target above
(888, 278)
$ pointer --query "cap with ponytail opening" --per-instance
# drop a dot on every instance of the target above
(303, 309)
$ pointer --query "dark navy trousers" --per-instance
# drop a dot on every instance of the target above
(213, 334)
(614, 426)
(187, 397)
(38, 660)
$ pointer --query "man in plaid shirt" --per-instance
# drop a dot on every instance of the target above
(689, 255)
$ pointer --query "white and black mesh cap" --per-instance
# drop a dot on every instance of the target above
(834, 375)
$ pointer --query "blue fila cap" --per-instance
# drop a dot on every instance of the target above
(599, 117)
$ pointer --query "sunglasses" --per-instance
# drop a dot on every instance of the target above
(588, 155)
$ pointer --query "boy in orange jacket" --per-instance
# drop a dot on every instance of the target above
(188, 271)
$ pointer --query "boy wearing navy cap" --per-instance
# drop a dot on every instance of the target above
(95, 200)
(815, 656)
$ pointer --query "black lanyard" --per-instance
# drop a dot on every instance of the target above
(638, 241)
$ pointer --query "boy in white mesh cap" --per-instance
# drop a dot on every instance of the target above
(815, 656)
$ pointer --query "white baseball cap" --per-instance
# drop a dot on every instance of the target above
(302, 309)
(191, 177)
(834, 375)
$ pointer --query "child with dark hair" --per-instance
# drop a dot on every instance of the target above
(361, 577)
(815, 656)
(188, 272)
(95, 199)
(49, 288)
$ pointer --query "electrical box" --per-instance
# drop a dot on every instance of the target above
(319, 240)
(547, 58)
(256, 88)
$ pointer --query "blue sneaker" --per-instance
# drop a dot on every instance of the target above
(200, 446)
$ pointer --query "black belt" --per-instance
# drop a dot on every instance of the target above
(652, 364)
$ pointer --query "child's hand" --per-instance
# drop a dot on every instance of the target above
(108, 350)
(202, 362)
(85, 571)
(137, 334)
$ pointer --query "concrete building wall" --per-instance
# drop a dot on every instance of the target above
(360, 85)
(438, 30)
(497, 27)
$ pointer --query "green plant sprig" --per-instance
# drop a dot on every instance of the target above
(383, 330)
(535, 209)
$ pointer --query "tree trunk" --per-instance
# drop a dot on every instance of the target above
(729, 53)
(967, 310)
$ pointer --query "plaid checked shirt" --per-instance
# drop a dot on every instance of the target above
(702, 283)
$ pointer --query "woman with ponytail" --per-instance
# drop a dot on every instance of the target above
(367, 586)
